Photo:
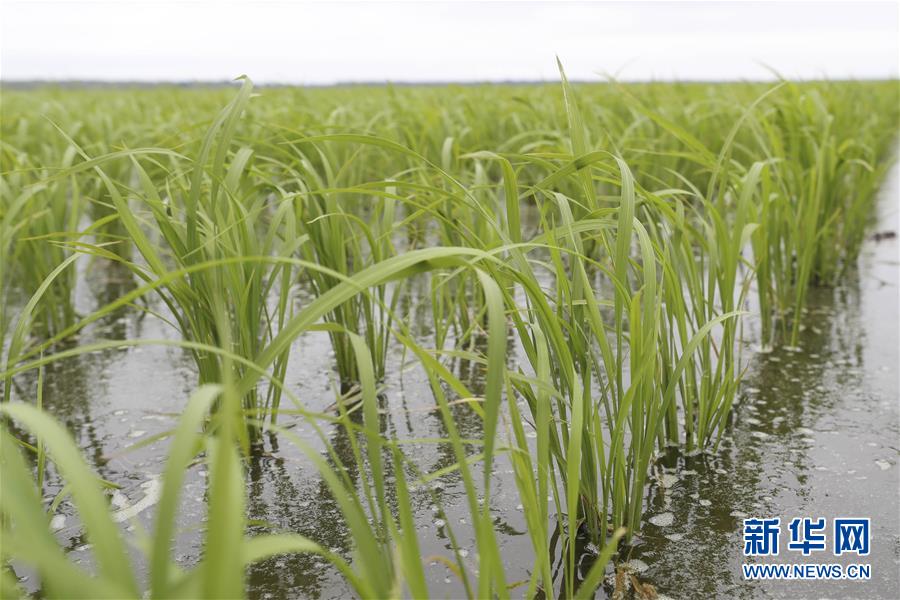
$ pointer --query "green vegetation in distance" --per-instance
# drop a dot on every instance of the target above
(623, 236)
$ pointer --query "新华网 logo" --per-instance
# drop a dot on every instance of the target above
(762, 537)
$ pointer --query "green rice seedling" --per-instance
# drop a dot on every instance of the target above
(387, 556)
(533, 496)
(591, 470)
(34, 218)
(818, 194)
(491, 579)
(15, 344)
(606, 442)
(601, 446)
(344, 239)
(42, 211)
(612, 239)
(457, 215)
(399, 267)
(705, 276)
(220, 218)
(28, 539)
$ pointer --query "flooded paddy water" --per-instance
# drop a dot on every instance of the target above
(815, 434)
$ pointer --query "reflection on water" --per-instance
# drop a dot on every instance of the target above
(814, 434)
(788, 455)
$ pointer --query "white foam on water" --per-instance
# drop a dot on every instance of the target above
(636, 565)
(667, 480)
(152, 493)
(57, 522)
(663, 519)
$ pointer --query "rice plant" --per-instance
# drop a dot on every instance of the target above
(29, 541)
(585, 256)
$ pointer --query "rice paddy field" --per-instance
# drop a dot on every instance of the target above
(480, 341)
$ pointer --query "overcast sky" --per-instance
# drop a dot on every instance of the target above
(318, 43)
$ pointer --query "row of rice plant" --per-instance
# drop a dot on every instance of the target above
(614, 235)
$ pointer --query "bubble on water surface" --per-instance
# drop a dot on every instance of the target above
(667, 480)
(152, 493)
(635, 565)
(155, 418)
(119, 500)
(663, 519)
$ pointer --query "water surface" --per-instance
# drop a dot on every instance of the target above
(815, 433)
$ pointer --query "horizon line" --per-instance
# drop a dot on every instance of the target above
(74, 82)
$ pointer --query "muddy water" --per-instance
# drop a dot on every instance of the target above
(815, 434)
